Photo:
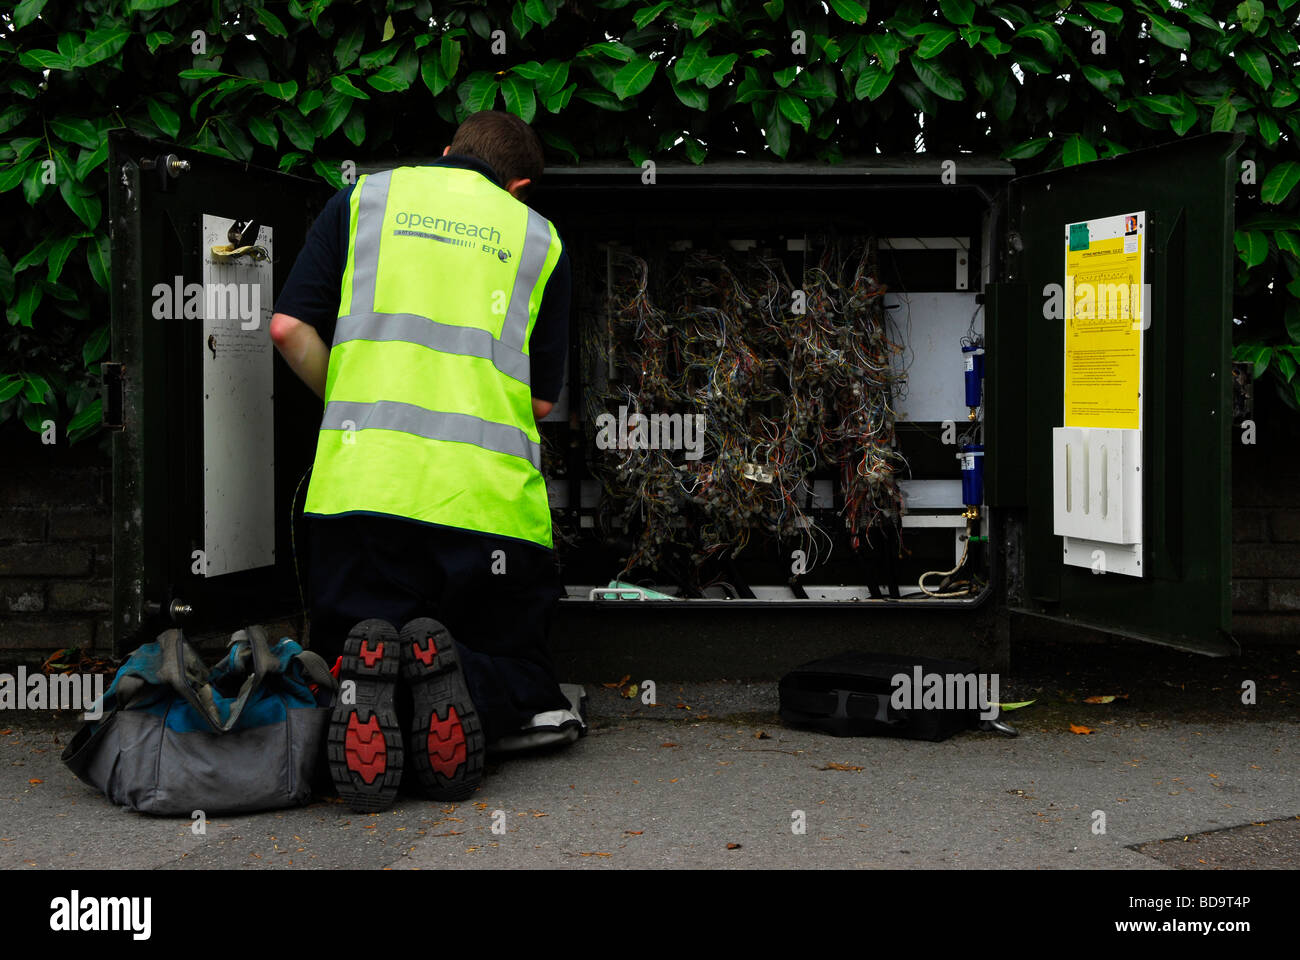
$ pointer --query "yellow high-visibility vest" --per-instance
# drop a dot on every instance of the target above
(428, 406)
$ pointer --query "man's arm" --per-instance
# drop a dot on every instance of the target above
(304, 350)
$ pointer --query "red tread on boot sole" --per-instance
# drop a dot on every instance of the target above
(426, 655)
(371, 657)
(365, 748)
(447, 748)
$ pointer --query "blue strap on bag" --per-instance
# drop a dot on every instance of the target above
(176, 737)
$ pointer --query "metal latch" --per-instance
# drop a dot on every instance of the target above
(111, 385)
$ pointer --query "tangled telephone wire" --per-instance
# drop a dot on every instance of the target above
(792, 383)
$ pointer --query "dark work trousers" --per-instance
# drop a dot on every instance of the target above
(496, 596)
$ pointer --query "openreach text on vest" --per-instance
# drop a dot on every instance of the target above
(416, 219)
(75, 913)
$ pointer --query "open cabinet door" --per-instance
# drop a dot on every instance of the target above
(212, 430)
(1108, 394)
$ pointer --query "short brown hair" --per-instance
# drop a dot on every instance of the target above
(502, 141)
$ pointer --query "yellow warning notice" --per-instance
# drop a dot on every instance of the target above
(1104, 321)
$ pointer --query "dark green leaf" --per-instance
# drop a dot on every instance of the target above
(689, 65)
(286, 90)
(1251, 14)
(86, 422)
(38, 388)
(633, 78)
(1279, 183)
(1268, 128)
(1044, 34)
(872, 82)
(26, 12)
(958, 11)
(647, 14)
(612, 49)
(387, 80)
(377, 58)
(158, 38)
(45, 60)
(166, 119)
(101, 44)
(1164, 104)
(346, 87)
(778, 132)
(348, 48)
(432, 74)
(558, 100)
(10, 386)
(73, 130)
(519, 97)
(692, 96)
(887, 47)
(331, 114)
(560, 143)
(1104, 12)
(354, 127)
(12, 116)
(934, 42)
(263, 131)
(716, 69)
(59, 253)
(449, 52)
(478, 92)
(300, 134)
(233, 139)
(794, 109)
(1168, 34)
(1224, 118)
(95, 346)
(938, 80)
(97, 259)
(1252, 247)
(1254, 62)
(25, 306)
(1077, 150)
(849, 10)
(1030, 148)
(80, 201)
(274, 26)
(6, 279)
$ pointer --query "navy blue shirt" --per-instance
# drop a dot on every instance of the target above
(311, 293)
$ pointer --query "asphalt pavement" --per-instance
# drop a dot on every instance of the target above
(1175, 773)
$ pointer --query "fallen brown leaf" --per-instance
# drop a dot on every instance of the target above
(34, 780)
(670, 744)
(733, 846)
(1076, 728)
(595, 853)
(839, 766)
(760, 735)
(634, 833)
(618, 683)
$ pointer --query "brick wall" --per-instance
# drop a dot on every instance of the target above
(1266, 526)
(56, 549)
(55, 546)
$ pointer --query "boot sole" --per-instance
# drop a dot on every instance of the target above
(365, 739)
(446, 737)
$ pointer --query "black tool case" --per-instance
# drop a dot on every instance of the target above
(849, 695)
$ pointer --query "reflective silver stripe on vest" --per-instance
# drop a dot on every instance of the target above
(444, 337)
(537, 244)
(370, 223)
(432, 425)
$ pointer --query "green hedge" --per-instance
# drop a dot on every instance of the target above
(305, 86)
